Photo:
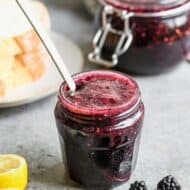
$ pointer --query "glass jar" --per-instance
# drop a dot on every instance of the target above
(142, 36)
(100, 128)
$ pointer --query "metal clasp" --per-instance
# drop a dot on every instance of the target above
(124, 41)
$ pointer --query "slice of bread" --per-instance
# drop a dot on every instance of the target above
(25, 69)
(28, 41)
(42, 12)
(2, 88)
(16, 77)
(5, 84)
(21, 53)
(5, 65)
(9, 47)
(34, 63)
(20, 74)
(16, 34)
(13, 21)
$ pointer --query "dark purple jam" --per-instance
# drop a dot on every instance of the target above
(100, 128)
(159, 43)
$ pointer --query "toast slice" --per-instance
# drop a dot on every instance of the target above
(6, 83)
(2, 88)
(16, 34)
(42, 13)
(16, 77)
(28, 41)
(21, 56)
(13, 21)
(5, 65)
(34, 63)
(20, 74)
(24, 70)
(9, 47)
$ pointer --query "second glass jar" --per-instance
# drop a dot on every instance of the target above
(146, 37)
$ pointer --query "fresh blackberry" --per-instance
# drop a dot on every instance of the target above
(168, 183)
(138, 185)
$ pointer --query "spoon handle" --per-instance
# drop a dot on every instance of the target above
(48, 44)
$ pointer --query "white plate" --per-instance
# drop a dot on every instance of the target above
(50, 82)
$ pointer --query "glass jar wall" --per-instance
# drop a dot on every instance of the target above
(100, 128)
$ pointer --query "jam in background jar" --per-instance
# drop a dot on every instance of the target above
(157, 33)
(100, 128)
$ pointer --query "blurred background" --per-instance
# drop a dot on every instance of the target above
(74, 19)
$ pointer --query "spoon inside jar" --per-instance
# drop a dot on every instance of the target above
(48, 44)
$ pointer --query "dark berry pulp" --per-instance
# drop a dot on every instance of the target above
(98, 138)
(101, 91)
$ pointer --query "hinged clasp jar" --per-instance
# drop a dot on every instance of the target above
(124, 34)
(141, 37)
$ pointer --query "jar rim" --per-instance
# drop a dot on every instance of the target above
(176, 10)
(126, 107)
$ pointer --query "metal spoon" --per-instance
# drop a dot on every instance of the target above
(48, 44)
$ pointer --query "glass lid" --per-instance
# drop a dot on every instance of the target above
(143, 6)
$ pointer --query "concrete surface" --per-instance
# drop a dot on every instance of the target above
(30, 130)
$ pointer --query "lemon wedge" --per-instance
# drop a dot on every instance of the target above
(10, 189)
(13, 172)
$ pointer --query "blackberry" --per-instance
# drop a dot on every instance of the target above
(138, 186)
(168, 183)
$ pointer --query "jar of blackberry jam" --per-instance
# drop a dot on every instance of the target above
(100, 128)
(142, 36)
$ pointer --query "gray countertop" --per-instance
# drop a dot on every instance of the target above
(30, 130)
